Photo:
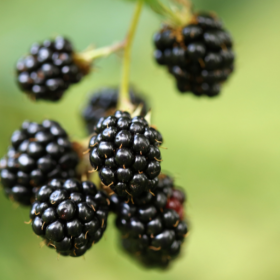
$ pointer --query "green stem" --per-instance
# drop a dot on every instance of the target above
(84, 59)
(124, 100)
(90, 55)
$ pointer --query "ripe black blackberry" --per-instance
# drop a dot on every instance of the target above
(49, 69)
(103, 103)
(70, 216)
(152, 229)
(39, 153)
(126, 154)
(199, 55)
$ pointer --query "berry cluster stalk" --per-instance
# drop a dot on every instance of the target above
(92, 54)
(85, 58)
(124, 100)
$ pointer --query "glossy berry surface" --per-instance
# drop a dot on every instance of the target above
(70, 216)
(48, 70)
(125, 152)
(103, 103)
(199, 55)
(38, 153)
(152, 229)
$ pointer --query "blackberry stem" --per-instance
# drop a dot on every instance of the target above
(90, 55)
(85, 58)
(124, 100)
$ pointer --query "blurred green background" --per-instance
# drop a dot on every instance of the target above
(225, 151)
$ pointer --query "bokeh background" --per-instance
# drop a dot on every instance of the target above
(224, 151)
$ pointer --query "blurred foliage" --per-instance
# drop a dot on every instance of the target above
(225, 152)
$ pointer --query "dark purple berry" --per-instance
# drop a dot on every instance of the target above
(49, 69)
(204, 45)
(103, 102)
(150, 230)
(40, 152)
(70, 215)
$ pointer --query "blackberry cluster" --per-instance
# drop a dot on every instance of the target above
(103, 103)
(199, 55)
(126, 154)
(70, 216)
(48, 70)
(39, 153)
(153, 228)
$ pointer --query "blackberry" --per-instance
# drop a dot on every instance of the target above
(126, 154)
(199, 55)
(70, 216)
(153, 229)
(39, 153)
(103, 103)
(49, 69)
